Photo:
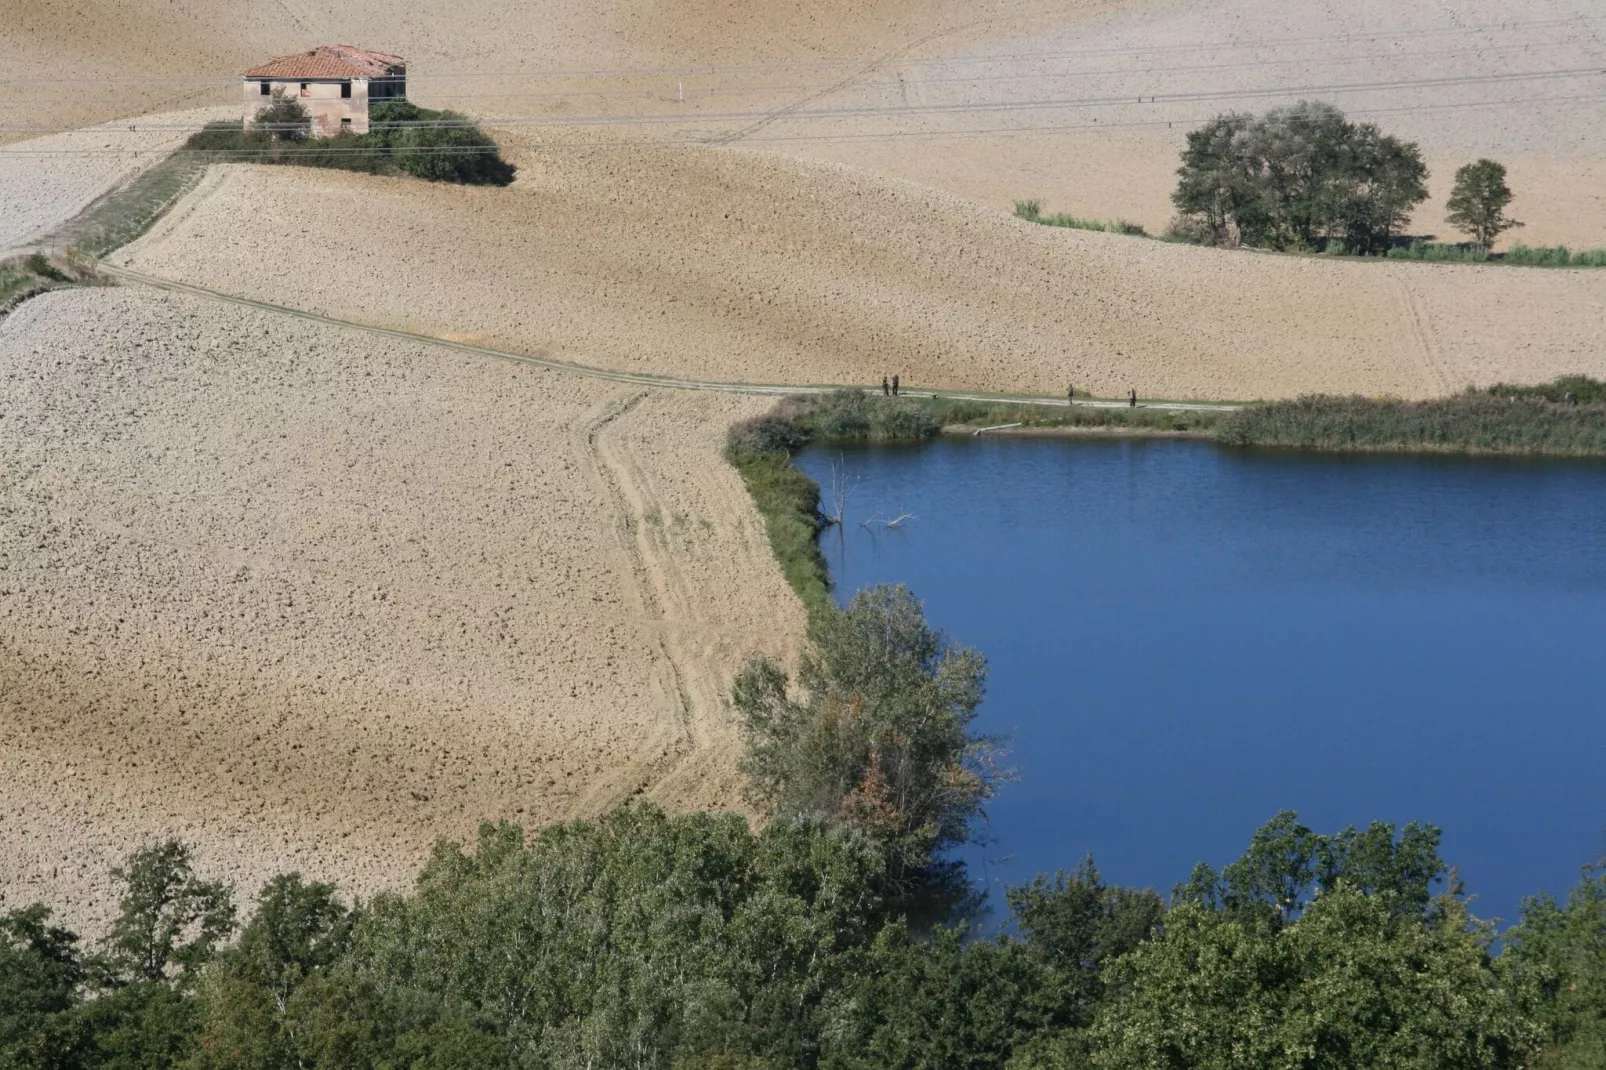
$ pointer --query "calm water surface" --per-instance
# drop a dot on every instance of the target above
(1184, 640)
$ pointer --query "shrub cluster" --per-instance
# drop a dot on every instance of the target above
(36, 273)
(439, 146)
(952, 412)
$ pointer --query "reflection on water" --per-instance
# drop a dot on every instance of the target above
(1184, 640)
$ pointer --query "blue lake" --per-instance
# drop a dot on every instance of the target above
(1185, 639)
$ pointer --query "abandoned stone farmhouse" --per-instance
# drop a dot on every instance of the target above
(335, 83)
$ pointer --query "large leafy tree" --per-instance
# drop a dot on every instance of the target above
(1478, 201)
(40, 976)
(1298, 177)
(1555, 957)
(954, 999)
(880, 738)
(1288, 863)
(1301, 152)
(1354, 983)
(1385, 179)
(171, 919)
(1219, 184)
(630, 941)
(299, 931)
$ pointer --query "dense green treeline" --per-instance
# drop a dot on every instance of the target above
(837, 936)
(644, 940)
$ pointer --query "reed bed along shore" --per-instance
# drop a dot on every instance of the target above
(1467, 423)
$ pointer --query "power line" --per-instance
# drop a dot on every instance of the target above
(979, 79)
(910, 110)
(849, 63)
(875, 136)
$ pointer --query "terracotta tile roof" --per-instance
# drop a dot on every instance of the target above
(331, 61)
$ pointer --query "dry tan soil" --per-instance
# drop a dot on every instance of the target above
(714, 264)
(309, 599)
(1083, 104)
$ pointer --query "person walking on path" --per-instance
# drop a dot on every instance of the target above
(1070, 394)
(894, 386)
(885, 390)
(1132, 399)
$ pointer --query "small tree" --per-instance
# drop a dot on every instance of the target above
(1478, 202)
(170, 916)
(881, 740)
(284, 119)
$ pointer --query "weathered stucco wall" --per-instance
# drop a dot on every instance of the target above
(322, 100)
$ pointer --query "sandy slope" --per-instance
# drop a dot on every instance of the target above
(310, 600)
(718, 265)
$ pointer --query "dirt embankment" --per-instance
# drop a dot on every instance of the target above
(310, 600)
(734, 266)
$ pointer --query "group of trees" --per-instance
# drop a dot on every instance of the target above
(1305, 177)
(440, 146)
(834, 937)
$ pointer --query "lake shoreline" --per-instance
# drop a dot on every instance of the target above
(1108, 431)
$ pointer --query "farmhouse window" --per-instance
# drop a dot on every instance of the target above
(265, 90)
(345, 90)
(345, 123)
(304, 90)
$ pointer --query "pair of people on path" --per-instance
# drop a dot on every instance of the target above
(1131, 396)
(889, 390)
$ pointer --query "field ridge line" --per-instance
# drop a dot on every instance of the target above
(646, 379)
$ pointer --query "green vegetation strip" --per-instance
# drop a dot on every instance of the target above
(125, 213)
(439, 146)
(1505, 420)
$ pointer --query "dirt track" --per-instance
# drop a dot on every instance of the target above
(309, 600)
(715, 264)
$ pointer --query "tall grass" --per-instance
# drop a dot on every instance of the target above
(1585, 391)
(1032, 212)
(1517, 256)
(1440, 252)
(1467, 423)
(953, 412)
(1554, 256)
